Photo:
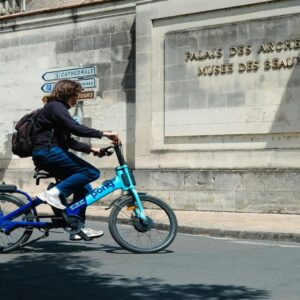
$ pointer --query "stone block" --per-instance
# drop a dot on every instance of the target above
(267, 202)
(105, 56)
(294, 22)
(243, 32)
(120, 39)
(198, 180)
(235, 99)
(143, 43)
(111, 83)
(117, 54)
(228, 180)
(190, 86)
(202, 200)
(110, 96)
(172, 88)
(257, 30)
(104, 69)
(216, 100)
(254, 181)
(174, 72)
(142, 60)
(122, 68)
(177, 103)
(101, 41)
(83, 44)
(108, 28)
(198, 101)
(159, 180)
(124, 24)
(5, 43)
(15, 42)
(277, 28)
(91, 29)
(64, 46)
(291, 181)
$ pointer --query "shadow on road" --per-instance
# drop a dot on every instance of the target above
(69, 273)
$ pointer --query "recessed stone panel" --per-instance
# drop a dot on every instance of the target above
(244, 76)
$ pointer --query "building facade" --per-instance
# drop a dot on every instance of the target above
(204, 93)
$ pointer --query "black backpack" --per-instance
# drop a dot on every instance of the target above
(21, 139)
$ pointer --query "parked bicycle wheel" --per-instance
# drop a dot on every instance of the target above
(11, 241)
(136, 236)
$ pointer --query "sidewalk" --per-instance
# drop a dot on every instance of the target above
(222, 224)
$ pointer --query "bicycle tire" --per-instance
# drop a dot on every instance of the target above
(8, 203)
(165, 227)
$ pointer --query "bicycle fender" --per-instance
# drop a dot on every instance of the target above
(122, 198)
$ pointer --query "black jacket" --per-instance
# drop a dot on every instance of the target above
(55, 115)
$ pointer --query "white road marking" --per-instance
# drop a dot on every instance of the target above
(265, 244)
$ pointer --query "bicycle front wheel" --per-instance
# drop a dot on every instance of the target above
(18, 236)
(137, 236)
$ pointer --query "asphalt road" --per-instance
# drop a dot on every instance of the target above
(194, 267)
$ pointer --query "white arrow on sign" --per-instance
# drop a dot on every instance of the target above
(85, 83)
(70, 73)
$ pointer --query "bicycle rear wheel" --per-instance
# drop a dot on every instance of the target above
(136, 236)
(18, 236)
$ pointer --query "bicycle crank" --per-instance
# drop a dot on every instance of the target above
(74, 224)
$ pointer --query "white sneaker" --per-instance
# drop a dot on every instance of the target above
(51, 200)
(91, 233)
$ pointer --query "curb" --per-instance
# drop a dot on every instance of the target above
(239, 234)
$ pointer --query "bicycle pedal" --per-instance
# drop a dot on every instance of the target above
(84, 236)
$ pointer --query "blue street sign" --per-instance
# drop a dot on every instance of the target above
(70, 73)
(85, 83)
(47, 87)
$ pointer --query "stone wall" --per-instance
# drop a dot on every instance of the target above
(239, 125)
(104, 38)
(225, 141)
(262, 191)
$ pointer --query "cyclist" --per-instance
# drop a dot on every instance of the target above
(52, 141)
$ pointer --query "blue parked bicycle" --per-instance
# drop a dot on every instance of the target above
(138, 222)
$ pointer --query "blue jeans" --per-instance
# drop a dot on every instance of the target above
(75, 173)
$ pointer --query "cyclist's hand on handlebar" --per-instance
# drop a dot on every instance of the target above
(108, 151)
(113, 136)
(97, 152)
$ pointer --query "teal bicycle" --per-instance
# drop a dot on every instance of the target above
(138, 222)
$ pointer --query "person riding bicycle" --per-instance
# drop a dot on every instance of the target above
(51, 143)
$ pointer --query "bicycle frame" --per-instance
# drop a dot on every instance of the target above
(124, 180)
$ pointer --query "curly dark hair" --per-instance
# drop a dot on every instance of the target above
(64, 90)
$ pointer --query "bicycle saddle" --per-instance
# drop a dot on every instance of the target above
(41, 174)
(7, 188)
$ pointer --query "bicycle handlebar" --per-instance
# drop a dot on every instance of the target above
(117, 149)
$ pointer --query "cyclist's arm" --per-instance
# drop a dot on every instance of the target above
(78, 146)
(61, 115)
